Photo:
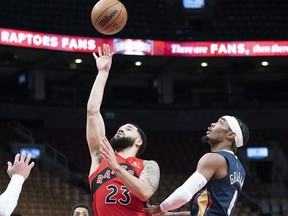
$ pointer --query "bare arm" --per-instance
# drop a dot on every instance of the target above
(144, 186)
(150, 175)
(211, 165)
(95, 128)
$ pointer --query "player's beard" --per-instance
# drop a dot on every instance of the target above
(120, 143)
(205, 139)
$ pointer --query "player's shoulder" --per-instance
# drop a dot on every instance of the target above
(212, 158)
(212, 155)
(150, 163)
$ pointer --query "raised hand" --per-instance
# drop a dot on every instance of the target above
(20, 166)
(104, 59)
(108, 153)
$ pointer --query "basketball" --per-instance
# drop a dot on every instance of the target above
(109, 16)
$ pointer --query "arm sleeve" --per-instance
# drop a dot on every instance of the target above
(184, 193)
(9, 199)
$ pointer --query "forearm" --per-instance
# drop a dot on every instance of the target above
(182, 213)
(184, 193)
(97, 91)
(95, 124)
(177, 199)
(9, 199)
(135, 185)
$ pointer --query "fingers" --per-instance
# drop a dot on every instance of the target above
(95, 56)
(106, 51)
(28, 158)
(23, 156)
(111, 54)
(25, 159)
(31, 165)
(105, 147)
(105, 140)
(103, 144)
(106, 144)
(99, 51)
(103, 150)
(9, 164)
(21, 165)
(17, 157)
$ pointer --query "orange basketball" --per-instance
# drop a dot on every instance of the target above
(109, 16)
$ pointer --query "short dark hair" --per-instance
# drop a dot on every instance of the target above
(143, 137)
(81, 205)
(245, 134)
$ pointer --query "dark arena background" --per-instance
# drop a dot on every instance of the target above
(174, 95)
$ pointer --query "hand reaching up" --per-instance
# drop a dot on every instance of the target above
(104, 59)
(20, 166)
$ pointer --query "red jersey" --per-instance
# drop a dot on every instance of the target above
(110, 196)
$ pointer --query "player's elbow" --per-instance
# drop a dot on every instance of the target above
(145, 195)
(144, 198)
(92, 110)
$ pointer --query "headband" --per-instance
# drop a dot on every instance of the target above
(235, 127)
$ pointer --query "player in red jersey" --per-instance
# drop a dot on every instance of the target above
(120, 182)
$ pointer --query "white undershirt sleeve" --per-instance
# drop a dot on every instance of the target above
(184, 193)
(9, 199)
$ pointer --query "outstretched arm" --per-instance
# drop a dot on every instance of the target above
(208, 166)
(144, 186)
(182, 213)
(95, 128)
(18, 173)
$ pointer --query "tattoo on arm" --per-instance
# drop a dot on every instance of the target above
(151, 174)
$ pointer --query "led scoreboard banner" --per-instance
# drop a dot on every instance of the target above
(38, 40)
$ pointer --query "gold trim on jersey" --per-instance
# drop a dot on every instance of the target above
(203, 202)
